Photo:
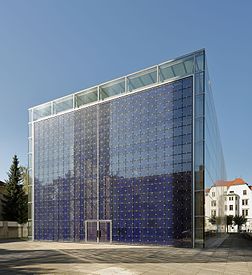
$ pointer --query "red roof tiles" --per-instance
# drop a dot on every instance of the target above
(237, 181)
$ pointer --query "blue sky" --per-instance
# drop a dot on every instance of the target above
(49, 49)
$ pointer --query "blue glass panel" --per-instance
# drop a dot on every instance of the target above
(144, 158)
(141, 189)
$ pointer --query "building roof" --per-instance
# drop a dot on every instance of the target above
(229, 183)
(237, 181)
(2, 183)
(146, 78)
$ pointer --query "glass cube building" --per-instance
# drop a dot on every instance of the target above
(129, 160)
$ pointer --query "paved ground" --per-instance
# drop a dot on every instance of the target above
(234, 256)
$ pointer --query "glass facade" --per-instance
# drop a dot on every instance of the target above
(215, 171)
(124, 161)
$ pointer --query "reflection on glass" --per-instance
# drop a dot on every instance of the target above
(215, 172)
(199, 105)
(199, 60)
(63, 104)
(199, 83)
(142, 79)
(140, 150)
(86, 97)
(144, 175)
(42, 111)
(112, 88)
(178, 68)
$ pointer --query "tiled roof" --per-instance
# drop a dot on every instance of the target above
(226, 183)
(237, 181)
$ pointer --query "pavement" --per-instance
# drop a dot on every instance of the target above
(233, 256)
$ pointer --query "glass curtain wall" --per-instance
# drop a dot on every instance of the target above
(144, 168)
(30, 173)
(215, 171)
(209, 165)
(145, 165)
(141, 163)
(199, 117)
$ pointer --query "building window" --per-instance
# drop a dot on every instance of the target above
(244, 202)
(236, 207)
(231, 192)
(236, 198)
(213, 212)
(231, 198)
(245, 212)
(213, 194)
(244, 192)
(231, 207)
(225, 208)
(213, 203)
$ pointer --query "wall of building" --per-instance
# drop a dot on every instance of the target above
(237, 201)
(215, 170)
(13, 230)
(142, 159)
(244, 206)
(128, 160)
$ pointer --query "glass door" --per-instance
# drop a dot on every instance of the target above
(91, 231)
(98, 231)
(105, 231)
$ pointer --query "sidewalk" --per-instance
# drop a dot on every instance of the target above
(234, 256)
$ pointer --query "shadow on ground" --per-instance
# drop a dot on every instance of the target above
(235, 248)
(13, 240)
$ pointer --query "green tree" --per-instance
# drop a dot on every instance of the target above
(212, 220)
(25, 178)
(229, 220)
(15, 201)
(215, 220)
(239, 221)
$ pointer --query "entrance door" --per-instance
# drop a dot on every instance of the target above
(98, 231)
(105, 231)
(91, 231)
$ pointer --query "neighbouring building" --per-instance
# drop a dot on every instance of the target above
(237, 195)
(128, 161)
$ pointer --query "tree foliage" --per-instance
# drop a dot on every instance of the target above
(15, 201)
(229, 220)
(25, 178)
(214, 220)
(239, 221)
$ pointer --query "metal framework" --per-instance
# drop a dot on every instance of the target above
(158, 69)
(126, 79)
(98, 229)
